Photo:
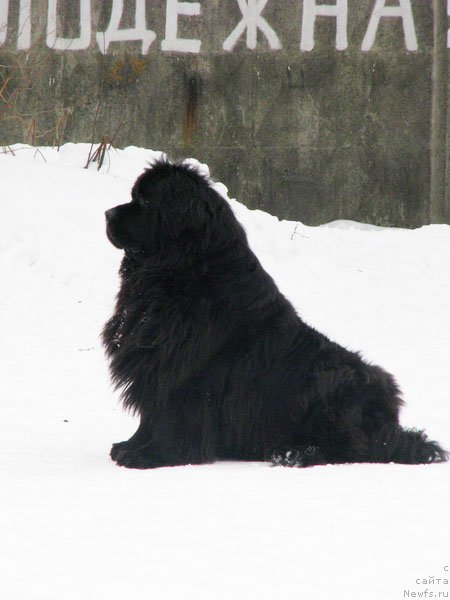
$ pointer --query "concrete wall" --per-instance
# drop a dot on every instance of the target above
(309, 118)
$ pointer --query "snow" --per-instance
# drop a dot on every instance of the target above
(75, 526)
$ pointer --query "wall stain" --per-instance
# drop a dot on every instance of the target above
(193, 92)
(125, 71)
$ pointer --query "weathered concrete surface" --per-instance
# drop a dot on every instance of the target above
(310, 135)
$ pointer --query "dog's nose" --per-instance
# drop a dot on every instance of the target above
(109, 214)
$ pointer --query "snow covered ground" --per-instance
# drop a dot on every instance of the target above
(74, 526)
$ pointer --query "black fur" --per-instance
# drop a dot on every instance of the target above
(216, 361)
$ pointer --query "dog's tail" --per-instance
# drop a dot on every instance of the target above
(392, 443)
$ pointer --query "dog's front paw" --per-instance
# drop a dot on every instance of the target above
(116, 448)
(138, 458)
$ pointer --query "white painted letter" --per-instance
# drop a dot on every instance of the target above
(380, 10)
(311, 10)
(80, 43)
(448, 34)
(24, 35)
(4, 5)
(252, 20)
(172, 43)
(139, 32)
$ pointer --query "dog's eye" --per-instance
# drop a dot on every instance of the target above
(135, 197)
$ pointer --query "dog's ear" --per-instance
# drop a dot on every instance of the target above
(186, 207)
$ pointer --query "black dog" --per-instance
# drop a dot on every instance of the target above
(216, 361)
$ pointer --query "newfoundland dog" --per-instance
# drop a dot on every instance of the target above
(216, 361)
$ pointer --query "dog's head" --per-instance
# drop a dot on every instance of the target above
(172, 206)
